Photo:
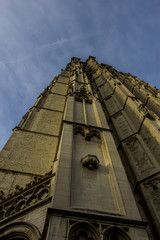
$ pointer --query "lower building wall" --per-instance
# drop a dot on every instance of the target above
(74, 227)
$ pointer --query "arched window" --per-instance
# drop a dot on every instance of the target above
(83, 231)
(20, 231)
(115, 233)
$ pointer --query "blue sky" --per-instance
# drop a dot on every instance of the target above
(39, 37)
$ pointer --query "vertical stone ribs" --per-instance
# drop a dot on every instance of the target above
(132, 108)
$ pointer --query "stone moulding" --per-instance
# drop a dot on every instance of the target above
(90, 161)
(21, 199)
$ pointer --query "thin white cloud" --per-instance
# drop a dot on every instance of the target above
(26, 57)
(52, 44)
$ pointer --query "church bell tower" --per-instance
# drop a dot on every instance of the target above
(83, 163)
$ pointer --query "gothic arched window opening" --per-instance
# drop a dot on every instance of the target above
(83, 231)
(115, 233)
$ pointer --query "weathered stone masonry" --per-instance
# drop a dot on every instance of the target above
(83, 163)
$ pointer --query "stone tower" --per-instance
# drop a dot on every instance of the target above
(83, 164)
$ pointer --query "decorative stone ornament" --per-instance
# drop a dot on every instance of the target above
(90, 161)
(88, 133)
(21, 199)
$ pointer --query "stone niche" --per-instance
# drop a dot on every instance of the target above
(90, 180)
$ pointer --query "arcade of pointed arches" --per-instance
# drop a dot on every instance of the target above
(86, 231)
(78, 231)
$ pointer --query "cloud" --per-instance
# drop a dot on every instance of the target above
(53, 44)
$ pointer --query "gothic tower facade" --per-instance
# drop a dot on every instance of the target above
(83, 164)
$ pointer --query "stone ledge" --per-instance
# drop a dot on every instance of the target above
(115, 218)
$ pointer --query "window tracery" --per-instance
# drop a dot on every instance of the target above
(83, 231)
(115, 233)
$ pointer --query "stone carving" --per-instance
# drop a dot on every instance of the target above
(35, 180)
(147, 113)
(17, 189)
(88, 133)
(139, 155)
(20, 199)
(90, 161)
(83, 94)
(83, 88)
